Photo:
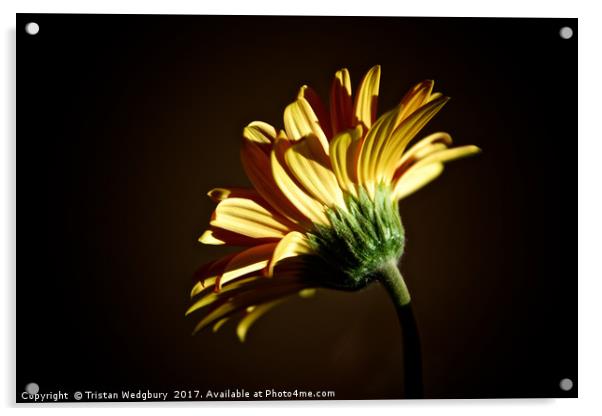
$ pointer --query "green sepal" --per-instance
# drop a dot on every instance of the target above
(360, 239)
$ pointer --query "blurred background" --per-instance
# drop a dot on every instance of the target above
(125, 122)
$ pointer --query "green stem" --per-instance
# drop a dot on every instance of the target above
(392, 280)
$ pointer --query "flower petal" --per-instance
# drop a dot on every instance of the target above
(252, 260)
(367, 96)
(219, 194)
(217, 237)
(430, 144)
(246, 217)
(369, 160)
(312, 208)
(293, 244)
(311, 167)
(395, 146)
(427, 169)
(415, 178)
(259, 132)
(245, 323)
(341, 105)
(316, 104)
(420, 94)
(220, 323)
(301, 121)
(342, 159)
(448, 155)
(256, 163)
(227, 306)
(211, 269)
(212, 296)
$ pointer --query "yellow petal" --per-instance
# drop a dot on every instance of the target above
(369, 164)
(434, 96)
(316, 104)
(259, 132)
(208, 238)
(245, 323)
(414, 99)
(212, 296)
(217, 236)
(219, 194)
(293, 244)
(367, 95)
(196, 289)
(341, 105)
(254, 259)
(246, 217)
(416, 178)
(439, 137)
(427, 169)
(448, 155)
(312, 208)
(404, 133)
(430, 144)
(256, 162)
(220, 323)
(310, 166)
(307, 293)
(301, 121)
(342, 159)
(246, 299)
(212, 269)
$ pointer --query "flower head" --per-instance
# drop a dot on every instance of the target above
(322, 210)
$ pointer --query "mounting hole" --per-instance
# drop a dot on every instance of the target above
(566, 32)
(32, 28)
(566, 384)
(32, 388)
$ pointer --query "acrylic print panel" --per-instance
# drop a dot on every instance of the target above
(390, 262)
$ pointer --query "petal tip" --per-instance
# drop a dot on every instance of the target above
(208, 238)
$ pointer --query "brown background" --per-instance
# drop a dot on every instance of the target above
(126, 121)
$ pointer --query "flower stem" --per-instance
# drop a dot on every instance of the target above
(393, 282)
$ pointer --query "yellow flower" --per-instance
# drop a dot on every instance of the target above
(322, 211)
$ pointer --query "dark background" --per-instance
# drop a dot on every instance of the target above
(124, 122)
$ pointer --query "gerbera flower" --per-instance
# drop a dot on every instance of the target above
(322, 210)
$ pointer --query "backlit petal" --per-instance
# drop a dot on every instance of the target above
(252, 260)
(367, 96)
(404, 133)
(248, 298)
(415, 178)
(259, 132)
(430, 144)
(248, 218)
(219, 194)
(211, 269)
(256, 163)
(448, 155)
(316, 104)
(311, 207)
(245, 323)
(293, 244)
(341, 104)
(217, 237)
(301, 121)
(219, 324)
(428, 168)
(211, 296)
(414, 99)
(311, 168)
(369, 161)
(342, 160)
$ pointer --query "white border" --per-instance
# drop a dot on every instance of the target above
(590, 207)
